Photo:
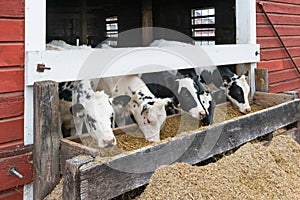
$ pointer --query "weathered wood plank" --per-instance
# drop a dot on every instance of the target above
(270, 99)
(12, 144)
(126, 171)
(46, 138)
(147, 22)
(261, 79)
(71, 190)
(11, 104)
(12, 8)
(70, 149)
(11, 55)
(16, 151)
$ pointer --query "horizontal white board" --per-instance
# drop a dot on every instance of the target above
(81, 64)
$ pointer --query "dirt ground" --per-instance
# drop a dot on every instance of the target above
(257, 170)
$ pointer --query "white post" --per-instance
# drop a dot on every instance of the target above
(35, 40)
(246, 32)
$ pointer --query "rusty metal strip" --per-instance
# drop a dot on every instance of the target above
(260, 4)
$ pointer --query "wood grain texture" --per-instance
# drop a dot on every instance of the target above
(12, 144)
(12, 194)
(12, 79)
(46, 138)
(12, 30)
(11, 104)
(278, 64)
(273, 42)
(279, 53)
(280, 7)
(11, 54)
(293, 84)
(261, 79)
(283, 30)
(12, 8)
(11, 129)
(284, 75)
(278, 19)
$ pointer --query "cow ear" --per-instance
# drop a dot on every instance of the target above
(120, 100)
(77, 110)
(226, 81)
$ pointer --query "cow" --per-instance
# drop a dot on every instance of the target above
(81, 107)
(237, 88)
(146, 110)
(187, 92)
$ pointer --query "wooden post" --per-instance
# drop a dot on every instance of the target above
(46, 138)
(261, 79)
(147, 22)
(84, 22)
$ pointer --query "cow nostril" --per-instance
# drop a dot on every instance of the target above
(109, 143)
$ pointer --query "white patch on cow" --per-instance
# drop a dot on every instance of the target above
(93, 105)
(100, 109)
(131, 85)
(198, 111)
(206, 99)
(241, 82)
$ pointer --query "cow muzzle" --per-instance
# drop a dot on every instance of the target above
(109, 142)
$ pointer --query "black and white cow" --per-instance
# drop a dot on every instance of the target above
(187, 91)
(147, 110)
(81, 107)
(237, 88)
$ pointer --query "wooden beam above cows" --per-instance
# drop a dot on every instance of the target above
(147, 22)
(84, 21)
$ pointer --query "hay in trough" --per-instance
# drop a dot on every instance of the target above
(254, 171)
(176, 125)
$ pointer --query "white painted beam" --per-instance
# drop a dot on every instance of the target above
(95, 63)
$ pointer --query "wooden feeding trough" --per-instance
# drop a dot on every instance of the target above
(88, 176)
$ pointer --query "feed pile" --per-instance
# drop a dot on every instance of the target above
(254, 171)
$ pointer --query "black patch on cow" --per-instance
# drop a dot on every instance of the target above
(144, 108)
(151, 103)
(65, 93)
(91, 122)
(185, 99)
(209, 116)
(236, 92)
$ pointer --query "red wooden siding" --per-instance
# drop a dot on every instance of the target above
(285, 16)
(12, 194)
(12, 100)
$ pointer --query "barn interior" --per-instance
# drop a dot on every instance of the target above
(207, 22)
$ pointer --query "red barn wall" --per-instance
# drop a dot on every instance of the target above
(12, 100)
(285, 16)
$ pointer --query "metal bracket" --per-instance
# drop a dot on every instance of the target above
(41, 68)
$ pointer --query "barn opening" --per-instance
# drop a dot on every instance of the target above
(91, 22)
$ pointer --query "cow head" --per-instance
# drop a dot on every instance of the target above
(149, 113)
(237, 91)
(97, 113)
(188, 96)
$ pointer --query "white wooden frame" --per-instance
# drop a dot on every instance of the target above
(35, 31)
